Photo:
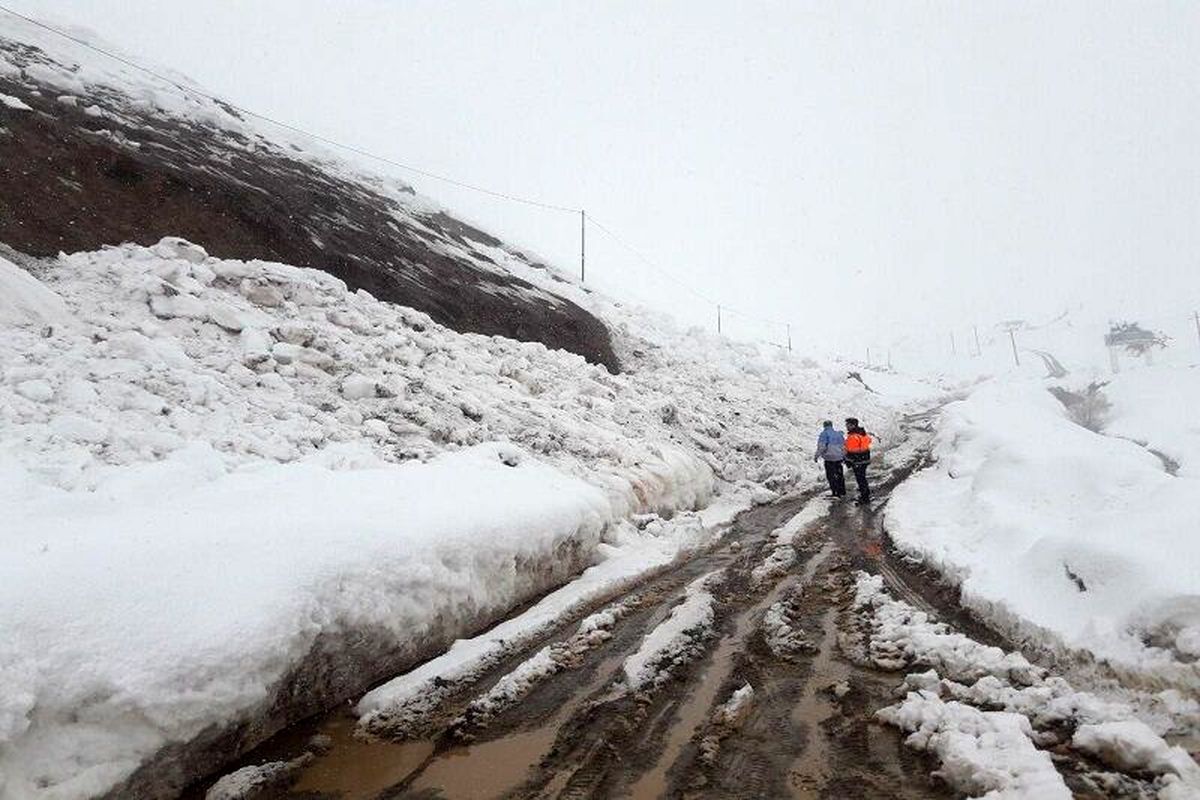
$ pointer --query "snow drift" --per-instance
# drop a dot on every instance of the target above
(1073, 537)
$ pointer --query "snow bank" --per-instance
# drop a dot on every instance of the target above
(177, 594)
(1072, 536)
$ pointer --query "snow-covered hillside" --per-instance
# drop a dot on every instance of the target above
(215, 468)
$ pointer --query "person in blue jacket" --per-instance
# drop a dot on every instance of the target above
(831, 446)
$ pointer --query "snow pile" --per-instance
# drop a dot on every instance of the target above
(728, 717)
(676, 639)
(982, 710)
(1060, 533)
(983, 753)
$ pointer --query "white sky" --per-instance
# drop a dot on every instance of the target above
(860, 169)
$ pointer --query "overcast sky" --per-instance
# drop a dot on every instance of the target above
(861, 169)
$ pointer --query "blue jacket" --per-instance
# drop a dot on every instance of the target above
(831, 445)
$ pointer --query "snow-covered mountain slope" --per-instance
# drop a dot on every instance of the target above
(243, 491)
(93, 152)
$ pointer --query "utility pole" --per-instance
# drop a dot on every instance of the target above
(582, 245)
(718, 317)
(789, 332)
(978, 349)
(1196, 317)
(1012, 337)
(953, 345)
(868, 357)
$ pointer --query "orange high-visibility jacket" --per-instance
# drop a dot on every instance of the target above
(858, 443)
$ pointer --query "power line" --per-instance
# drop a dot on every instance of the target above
(287, 126)
(647, 262)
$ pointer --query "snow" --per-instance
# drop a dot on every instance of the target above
(26, 301)
(121, 652)
(1131, 746)
(983, 753)
(254, 781)
(1078, 539)
(984, 711)
(674, 639)
(399, 706)
(14, 103)
(783, 540)
(734, 710)
(137, 383)
(593, 631)
(180, 426)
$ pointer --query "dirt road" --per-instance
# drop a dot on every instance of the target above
(779, 597)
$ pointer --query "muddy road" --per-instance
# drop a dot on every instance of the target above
(773, 604)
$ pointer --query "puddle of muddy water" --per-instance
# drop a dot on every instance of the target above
(356, 769)
(485, 770)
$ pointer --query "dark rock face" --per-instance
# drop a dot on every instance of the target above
(99, 169)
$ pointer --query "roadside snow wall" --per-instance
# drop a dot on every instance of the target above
(179, 595)
(1061, 534)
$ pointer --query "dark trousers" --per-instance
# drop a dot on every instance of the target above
(860, 477)
(836, 478)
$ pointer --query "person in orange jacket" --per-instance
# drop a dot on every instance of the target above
(858, 456)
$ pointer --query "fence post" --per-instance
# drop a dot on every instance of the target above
(718, 317)
(1012, 337)
(582, 245)
(978, 349)
(953, 345)
(1196, 317)
(789, 333)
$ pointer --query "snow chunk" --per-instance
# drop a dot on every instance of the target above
(175, 247)
(358, 387)
(1131, 745)
(983, 753)
(39, 391)
(15, 103)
